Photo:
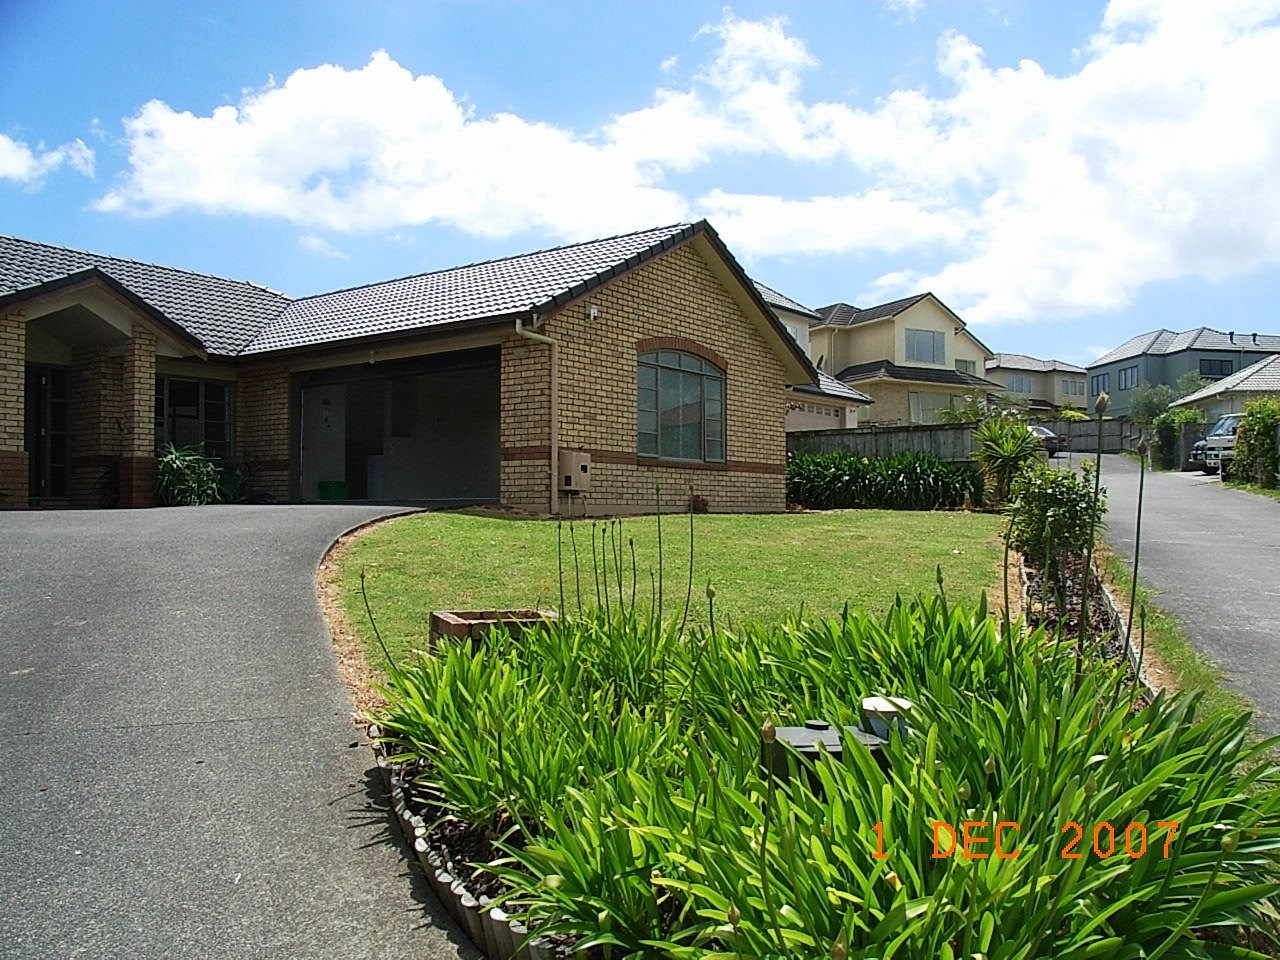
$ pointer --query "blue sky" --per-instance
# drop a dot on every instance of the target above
(1063, 175)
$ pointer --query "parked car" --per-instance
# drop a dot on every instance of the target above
(1220, 444)
(1195, 459)
(1051, 442)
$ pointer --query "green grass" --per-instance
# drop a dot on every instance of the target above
(1167, 640)
(1272, 492)
(764, 567)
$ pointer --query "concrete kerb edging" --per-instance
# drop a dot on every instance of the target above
(1118, 623)
(495, 933)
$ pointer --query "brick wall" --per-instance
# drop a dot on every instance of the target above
(263, 428)
(13, 379)
(137, 413)
(891, 403)
(675, 295)
(97, 427)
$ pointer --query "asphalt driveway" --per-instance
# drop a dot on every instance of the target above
(179, 774)
(1213, 554)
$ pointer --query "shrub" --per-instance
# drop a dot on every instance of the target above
(1256, 457)
(1168, 430)
(907, 481)
(1054, 514)
(1072, 415)
(1149, 400)
(1004, 448)
(618, 763)
(186, 477)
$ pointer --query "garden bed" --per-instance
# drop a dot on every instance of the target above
(626, 760)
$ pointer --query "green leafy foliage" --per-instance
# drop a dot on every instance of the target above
(1004, 448)
(1054, 513)
(1072, 415)
(907, 481)
(1149, 400)
(1256, 457)
(1168, 428)
(619, 763)
(185, 477)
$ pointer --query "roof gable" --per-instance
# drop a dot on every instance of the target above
(223, 315)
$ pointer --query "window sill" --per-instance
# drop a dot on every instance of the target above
(683, 464)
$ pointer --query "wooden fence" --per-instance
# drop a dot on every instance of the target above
(952, 442)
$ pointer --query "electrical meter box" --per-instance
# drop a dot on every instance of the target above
(575, 471)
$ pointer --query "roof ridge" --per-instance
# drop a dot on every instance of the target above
(146, 263)
(493, 260)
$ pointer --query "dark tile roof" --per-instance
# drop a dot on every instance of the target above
(477, 291)
(775, 299)
(887, 370)
(1020, 361)
(221, 314)
(1200, 338)
(831, 387)
(843, 315)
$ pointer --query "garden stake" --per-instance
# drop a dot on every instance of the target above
(595, 564)
(1099, 407)
(560, 563)
(657, 495)
(688, 593)
(1143, 447)
(577, 573)
(617, 557)
(395, 670)
(632, 542)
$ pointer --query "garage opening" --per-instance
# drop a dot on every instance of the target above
(422, 429)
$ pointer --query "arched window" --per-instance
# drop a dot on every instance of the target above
(679, 407)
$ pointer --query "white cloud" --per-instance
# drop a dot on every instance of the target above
(1039, 195)
(318, 244)
(18, 161)
(908, 7)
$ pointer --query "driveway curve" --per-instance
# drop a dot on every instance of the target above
(179, 773)
(1213, 555)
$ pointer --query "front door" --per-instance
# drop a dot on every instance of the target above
(46, 444)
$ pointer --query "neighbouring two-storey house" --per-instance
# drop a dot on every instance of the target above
(1045, 386)
(827, 404)
(1163, 356)
(914, 357)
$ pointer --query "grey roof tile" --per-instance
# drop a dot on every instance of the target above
(887, 370)
(222, 314)
(1260, 377)
(843, 315)
(1020, 361)
(477, 291)
(775, 299)
(829, 386)
(1199, 338)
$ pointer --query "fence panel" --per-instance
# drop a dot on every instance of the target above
(952, 442)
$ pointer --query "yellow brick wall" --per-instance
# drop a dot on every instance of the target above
(262, 426)
(13, 378)
(96, 424)
(674, 295)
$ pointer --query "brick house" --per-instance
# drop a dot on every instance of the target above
(914, 357)
(651, 353)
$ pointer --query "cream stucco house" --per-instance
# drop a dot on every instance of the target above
(914, 357)
(1046, 386)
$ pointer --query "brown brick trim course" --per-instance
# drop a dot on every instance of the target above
(137, 481)
(13, 480)
(630, 459)
(681, 343)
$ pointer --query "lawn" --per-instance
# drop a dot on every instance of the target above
(763, 567)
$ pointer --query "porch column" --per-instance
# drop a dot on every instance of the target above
(13, 400)
(138, 403)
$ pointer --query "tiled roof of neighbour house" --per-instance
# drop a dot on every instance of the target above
(1200, 338)
(843, 315)
(1260, 377)
(221, 314)
(491, 289)
(828, 386)
(1020, 361)
(775, 299)
(887, 370)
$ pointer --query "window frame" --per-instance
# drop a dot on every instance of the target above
(938, 341)
(1221, 363)
(1099, 382)
(680, 369)
(1127, 377)
(166, 420)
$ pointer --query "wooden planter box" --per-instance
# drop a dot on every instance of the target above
(475, 624)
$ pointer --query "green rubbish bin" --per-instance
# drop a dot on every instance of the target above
(333, 490)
